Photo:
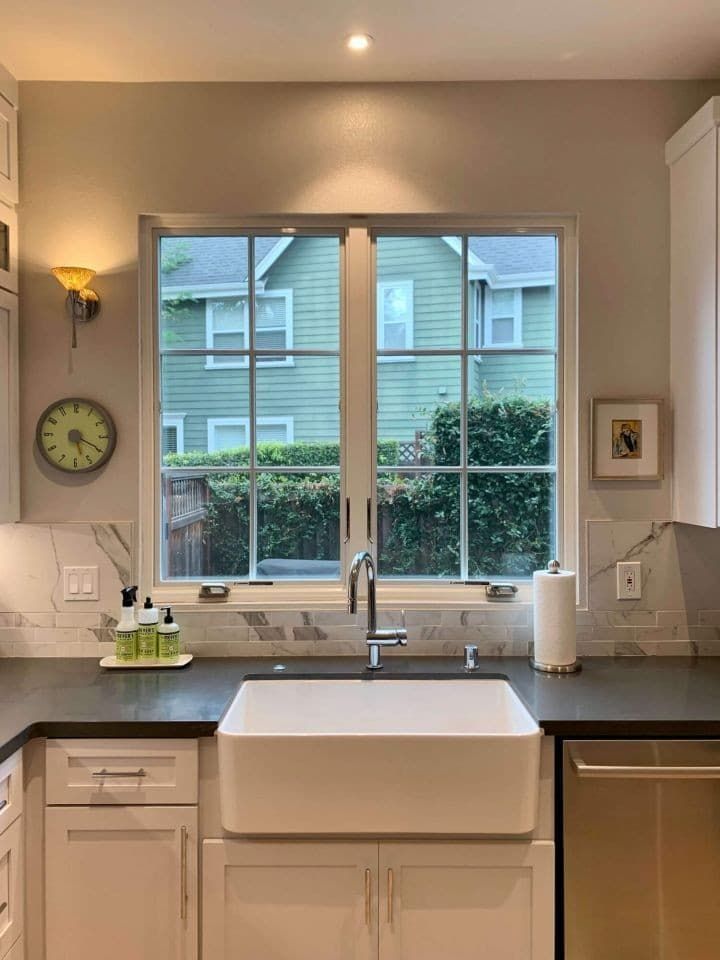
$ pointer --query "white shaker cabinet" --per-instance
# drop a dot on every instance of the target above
(368, 901)
(463, 901)
(9, 409)
(289, 901)
(8, 137)
(692, 155)
(121, 883)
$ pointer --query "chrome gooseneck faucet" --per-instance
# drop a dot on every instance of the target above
(375, 638)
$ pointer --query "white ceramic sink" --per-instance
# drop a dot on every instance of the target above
(378, 757)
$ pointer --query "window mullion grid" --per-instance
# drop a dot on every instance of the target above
(252, 487)
(463, 414)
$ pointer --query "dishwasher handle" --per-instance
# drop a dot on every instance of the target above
(600, 771)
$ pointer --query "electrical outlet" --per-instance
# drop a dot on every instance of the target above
(629, 581)
(80, 583)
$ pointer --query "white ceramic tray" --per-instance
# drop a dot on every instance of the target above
(112, 663)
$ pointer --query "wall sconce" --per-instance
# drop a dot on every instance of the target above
(82, 304)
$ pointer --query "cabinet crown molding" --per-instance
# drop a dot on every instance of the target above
(702, 122)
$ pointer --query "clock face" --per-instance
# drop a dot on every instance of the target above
(76, 435)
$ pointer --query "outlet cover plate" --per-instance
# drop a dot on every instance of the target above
(629, 580)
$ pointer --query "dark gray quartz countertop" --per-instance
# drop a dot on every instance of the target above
(624, 697)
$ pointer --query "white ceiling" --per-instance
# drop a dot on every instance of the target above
(141, 40)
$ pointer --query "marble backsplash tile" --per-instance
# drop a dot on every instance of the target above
(679, 613)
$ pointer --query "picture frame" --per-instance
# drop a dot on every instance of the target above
(627, 438)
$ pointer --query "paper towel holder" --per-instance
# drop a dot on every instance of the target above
(559, 669)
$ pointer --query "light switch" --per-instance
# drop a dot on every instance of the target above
(80, 583)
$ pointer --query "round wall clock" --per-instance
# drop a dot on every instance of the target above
(76, 435)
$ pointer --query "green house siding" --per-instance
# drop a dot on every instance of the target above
(308, 390)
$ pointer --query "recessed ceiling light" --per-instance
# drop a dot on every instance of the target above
(358, 41)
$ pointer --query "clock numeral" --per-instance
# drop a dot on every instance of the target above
(74, 461)
(76, 408)
(89, 459)
(53, 421)
(63, 411)
(53, 447)
(103, 436)
(99, 423)
(61, 458)
(47, 434)
(90, 412)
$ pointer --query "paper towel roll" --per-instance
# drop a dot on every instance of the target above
(554, 617)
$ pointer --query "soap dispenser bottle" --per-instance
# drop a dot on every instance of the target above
(168, 638)
(126, 631)
(147, 645)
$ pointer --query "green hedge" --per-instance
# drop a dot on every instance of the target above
(509, 514)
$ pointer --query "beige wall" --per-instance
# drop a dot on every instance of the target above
(94, 156)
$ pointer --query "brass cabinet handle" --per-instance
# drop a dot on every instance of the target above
(183, 872)
(119, 773)
(390, 885)
(368, 896)
(3, 906)
(3, 804)
(347, 520)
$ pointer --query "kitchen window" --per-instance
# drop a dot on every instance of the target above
(305, 435)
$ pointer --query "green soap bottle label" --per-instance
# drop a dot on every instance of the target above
(126, 646)
(147, 641)
(169, 645)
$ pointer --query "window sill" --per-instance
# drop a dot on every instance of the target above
(418, 595)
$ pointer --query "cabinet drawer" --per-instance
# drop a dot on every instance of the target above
(11, 789)
(121, 772)
(11, 889)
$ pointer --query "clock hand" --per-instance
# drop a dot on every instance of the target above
(83, 440)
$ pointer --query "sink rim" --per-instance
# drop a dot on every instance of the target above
(526, 725)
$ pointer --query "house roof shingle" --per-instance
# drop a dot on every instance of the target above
(224, 260)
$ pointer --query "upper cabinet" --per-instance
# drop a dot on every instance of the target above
(8, 137)
(692, 155)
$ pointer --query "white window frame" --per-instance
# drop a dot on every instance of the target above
(382, 285)
(214, 422)
(517, 319)
(242, 361)
(176, 420)
(359, 372)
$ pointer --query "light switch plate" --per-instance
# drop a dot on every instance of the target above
(629, 580)
(80, 583)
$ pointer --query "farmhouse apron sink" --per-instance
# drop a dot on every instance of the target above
(378, 757)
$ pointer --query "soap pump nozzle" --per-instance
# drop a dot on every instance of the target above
(168, 618)
(129, 595)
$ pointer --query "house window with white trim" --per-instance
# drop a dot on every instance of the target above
(173, 433)
(503, 317)
(395, 315)
(225, 433)
(227, 327)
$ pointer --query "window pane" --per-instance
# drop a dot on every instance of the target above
(498, 266)
(420, 283)
(417, 397)
(206, 525)
(193, 272)
(511, 410)
(418, 524)
(503, 329)
(301, 400)
(216, 408)
(298, 526)
(511, 523)
(298, 292)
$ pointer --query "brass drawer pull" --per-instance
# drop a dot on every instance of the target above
(390, 886)
(368, 896)
(119, 773)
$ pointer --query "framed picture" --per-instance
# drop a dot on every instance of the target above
(626, 439)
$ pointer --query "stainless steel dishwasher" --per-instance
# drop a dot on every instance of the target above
(642, 849)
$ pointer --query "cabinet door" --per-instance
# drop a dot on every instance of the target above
(11, 886)
(121, 883)
(9, 443)
(289, 901)
(8, 151)
(466, 901)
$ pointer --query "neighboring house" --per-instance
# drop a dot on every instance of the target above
(204, 292)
